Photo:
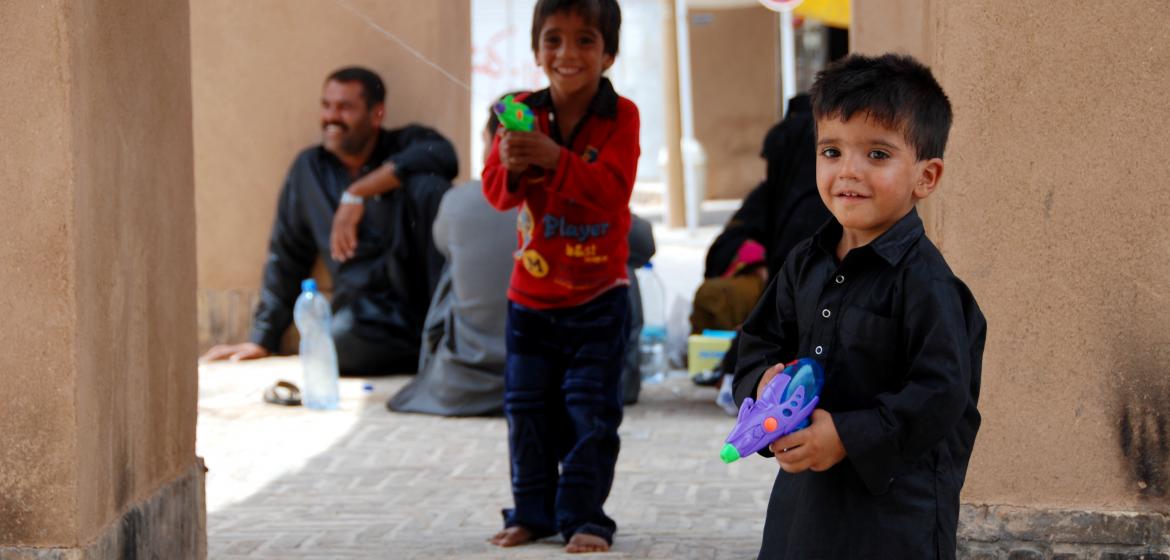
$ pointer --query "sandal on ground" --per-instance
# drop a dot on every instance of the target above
(283, 393)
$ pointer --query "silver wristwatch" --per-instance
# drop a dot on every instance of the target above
(348, 198)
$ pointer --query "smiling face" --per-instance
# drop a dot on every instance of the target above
(571, 52)
(869, 176)
(348, 124)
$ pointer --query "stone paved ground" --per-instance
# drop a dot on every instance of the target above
(363, 482)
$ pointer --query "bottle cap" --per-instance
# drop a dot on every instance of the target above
(308, 285)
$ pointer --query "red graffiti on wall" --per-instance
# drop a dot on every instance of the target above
(488, 61)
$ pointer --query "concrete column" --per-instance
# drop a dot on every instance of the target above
(1053, 207)
(97, 438)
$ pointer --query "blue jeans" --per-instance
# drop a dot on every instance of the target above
(563, 402)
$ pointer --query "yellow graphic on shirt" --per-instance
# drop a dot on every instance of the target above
(524, 225)
(581, 251)
(534, 263)
(588, 253)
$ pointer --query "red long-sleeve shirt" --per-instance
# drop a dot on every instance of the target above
(574, 220)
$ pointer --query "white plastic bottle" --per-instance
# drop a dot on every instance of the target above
(652, 341)
(318, 355)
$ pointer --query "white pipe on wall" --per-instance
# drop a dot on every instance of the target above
(694, 158)
(787, 60)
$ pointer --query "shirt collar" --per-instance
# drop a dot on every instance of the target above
(891, 246)
(604, 102)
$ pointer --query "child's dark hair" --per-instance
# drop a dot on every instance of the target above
(605, 15)
(373, 90)
(894, 90)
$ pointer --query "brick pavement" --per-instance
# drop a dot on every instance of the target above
(363, 482)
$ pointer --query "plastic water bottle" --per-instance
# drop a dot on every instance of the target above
(318, 355)
(652, 341)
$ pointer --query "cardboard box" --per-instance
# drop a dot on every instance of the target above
(705, 351)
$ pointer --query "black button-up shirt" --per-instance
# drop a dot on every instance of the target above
(901, 340)
(387, 283)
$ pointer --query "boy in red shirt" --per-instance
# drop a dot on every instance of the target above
(571, 177)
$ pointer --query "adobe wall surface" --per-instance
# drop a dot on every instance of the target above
(169, 523)
(896, 25)
(134, 242)
(736, 93)
(257, 71)
(99, 362)
(1053, 208)
(38, 429)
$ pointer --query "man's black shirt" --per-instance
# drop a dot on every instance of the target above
(384, 289)
(901, 340)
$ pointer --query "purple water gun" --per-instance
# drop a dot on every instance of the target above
(787, 402)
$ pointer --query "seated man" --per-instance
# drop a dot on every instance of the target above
(381, 290)
(461, 367)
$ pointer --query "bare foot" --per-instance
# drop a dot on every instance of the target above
(584, 542)
(511, 536)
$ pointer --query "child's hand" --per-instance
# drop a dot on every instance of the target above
(816, 447)
(518, 150)
(769, 374)
(508, 155)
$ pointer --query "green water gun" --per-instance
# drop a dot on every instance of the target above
(514, 115)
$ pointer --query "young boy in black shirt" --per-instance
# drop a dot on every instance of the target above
(878, 472)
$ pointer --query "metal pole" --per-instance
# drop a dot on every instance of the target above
(674, 190)
(691, 149)
(787, 60)
(683, 38)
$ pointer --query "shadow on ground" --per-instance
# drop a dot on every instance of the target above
(413, 486)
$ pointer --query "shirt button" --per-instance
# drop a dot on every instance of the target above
(825, 313)
(818, 350)
(840, 279)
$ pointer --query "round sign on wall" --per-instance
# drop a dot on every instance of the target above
(781, 5)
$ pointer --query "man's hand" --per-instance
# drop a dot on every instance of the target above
(816, 447)
(518, 150)
(234, 352)
(343, 239)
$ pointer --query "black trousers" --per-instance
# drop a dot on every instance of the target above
(372, 344)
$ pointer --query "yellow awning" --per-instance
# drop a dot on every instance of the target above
(834, 13)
